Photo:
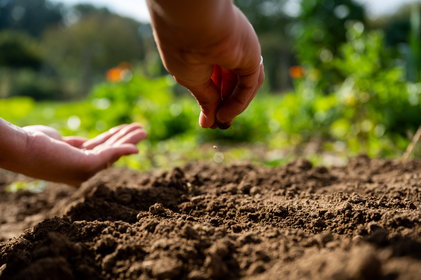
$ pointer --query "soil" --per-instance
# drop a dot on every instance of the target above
(204, 221)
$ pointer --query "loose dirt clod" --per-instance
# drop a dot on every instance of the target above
(157, 208)
(360, 221)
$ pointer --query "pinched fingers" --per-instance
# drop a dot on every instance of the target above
(208, 96)
(243, 93)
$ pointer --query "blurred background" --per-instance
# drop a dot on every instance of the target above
(342, 78)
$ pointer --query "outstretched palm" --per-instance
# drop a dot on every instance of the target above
(73, 160)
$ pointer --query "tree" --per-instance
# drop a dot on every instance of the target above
(22, 67)
(403, 33)
(396, 26)
(89, 47)
(322, 29)
(30, 16)
(18, 50)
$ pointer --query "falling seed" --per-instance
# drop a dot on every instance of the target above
(215, 147)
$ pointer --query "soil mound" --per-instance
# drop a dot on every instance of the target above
(201, 221)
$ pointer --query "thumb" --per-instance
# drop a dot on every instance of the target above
(110, 154)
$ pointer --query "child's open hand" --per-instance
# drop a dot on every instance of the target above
(42, 153)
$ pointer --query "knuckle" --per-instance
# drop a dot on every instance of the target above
(246, 87)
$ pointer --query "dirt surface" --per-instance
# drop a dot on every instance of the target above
(360, 221)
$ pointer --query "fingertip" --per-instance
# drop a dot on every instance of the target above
(143, 134)
(111, 154)
(128, 149)
(146, 135)
(214, 126)
(204, 122)
(134, 150)
(224, 126)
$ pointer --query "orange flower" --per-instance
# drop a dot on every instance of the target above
(296, 72)
(114, 74)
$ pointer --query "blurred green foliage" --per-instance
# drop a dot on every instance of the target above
(23, 68)
(357, 92)
(80, 43)
(370, 111)
(414, 53)
(33, 187)
(321, 29)
(61, 55)
(375, 106)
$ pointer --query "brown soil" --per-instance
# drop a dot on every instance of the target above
(361, 221)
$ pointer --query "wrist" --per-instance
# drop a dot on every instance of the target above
(191, 23)
(13, 143)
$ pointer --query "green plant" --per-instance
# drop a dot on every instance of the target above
(371, 110)
(33, 187)
(379, 106)
(320, 30)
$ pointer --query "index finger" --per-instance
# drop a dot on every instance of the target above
(244, 92)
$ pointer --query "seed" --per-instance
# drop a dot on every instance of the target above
(215, 147)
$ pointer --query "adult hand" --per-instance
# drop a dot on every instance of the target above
(210, 48)
(70, 160)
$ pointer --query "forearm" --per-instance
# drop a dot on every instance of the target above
(36, 155)
(13, 144)
(191, 22)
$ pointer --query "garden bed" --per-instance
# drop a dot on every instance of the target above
(203, 221)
